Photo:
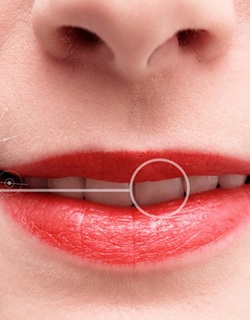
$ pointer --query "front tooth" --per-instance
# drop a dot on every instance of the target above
(232, 181)
(112, 198)
(68, 183)
(146, 193)
(202, 183)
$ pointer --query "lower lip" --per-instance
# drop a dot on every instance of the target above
(121, 237)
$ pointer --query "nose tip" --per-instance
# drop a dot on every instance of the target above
(133, 36)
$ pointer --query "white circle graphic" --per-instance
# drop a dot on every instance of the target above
(176, 165)
(10, 183)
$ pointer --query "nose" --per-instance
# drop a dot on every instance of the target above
(133, 36)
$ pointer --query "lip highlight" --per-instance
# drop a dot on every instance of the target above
(119, 236)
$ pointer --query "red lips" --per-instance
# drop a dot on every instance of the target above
(123, 236)
(119, 166)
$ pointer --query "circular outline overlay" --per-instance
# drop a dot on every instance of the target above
(20, 184)
(169, 162)
(9, 183)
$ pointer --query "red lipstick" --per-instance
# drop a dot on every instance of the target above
(117, 236)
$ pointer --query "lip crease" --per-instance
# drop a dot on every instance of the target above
(116, 236)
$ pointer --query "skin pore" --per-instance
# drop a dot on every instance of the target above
(133, 87)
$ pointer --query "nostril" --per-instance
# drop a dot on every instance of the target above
(114, 35)
(76, 37)
(193, 38)
(186, 37)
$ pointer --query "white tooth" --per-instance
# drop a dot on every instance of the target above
(68, 183)
(112, 198)
(202, 183)
(36, 183)
(151, 192)
(232, 181)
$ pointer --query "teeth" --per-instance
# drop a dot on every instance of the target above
(158, 191)
(68, 183)
(113, 198)
(202, 183)
(37, 183)
(232, 181)
(145, 193)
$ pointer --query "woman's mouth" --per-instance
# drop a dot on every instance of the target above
(57, 204)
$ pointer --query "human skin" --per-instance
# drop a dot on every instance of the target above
(144, 89)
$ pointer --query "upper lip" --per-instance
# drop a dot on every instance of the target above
(119, 166)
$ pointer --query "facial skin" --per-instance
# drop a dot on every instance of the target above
(139, 85)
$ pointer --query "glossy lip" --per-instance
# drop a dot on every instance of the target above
(119, 166)
(117, 236)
